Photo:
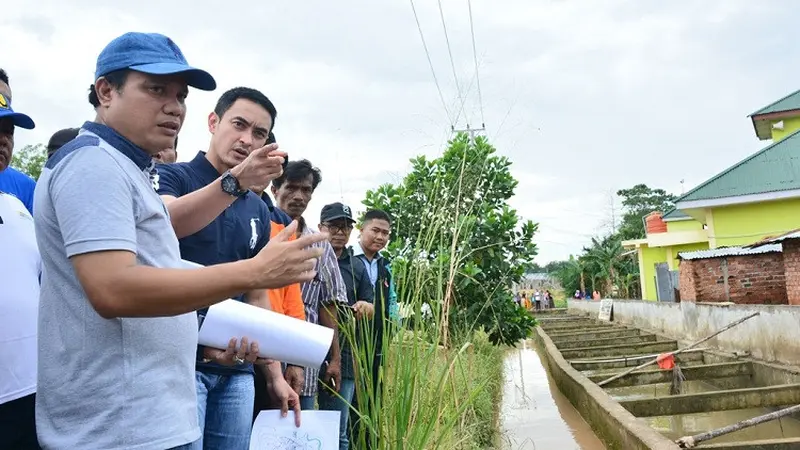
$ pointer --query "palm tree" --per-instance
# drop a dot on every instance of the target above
(606, 254)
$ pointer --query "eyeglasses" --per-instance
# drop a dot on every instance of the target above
(337, 228)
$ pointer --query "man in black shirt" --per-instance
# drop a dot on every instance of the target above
(337, 220)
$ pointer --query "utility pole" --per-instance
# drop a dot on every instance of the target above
(471, 131)
(613, 212)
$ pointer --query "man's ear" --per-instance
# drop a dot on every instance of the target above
(213, 122)
(104, 91)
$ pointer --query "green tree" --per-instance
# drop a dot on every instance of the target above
(639, 201)
(30, 160)
(451, 216)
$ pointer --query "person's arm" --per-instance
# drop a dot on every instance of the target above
(101, 243)
(333, 293)
(365, 292)
(192, 212)
(258, 297)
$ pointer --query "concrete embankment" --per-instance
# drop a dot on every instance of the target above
(640, 410)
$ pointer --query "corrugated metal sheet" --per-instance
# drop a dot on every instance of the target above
(790, 235)
(730, 251)
(775, 168)
(675, 214)
(788, 103)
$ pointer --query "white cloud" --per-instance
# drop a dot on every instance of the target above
(592, 96)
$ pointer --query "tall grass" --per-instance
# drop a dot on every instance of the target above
(440, 382)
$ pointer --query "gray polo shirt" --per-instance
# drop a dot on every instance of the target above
(125, 383)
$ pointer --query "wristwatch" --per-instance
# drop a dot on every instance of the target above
(230, 185)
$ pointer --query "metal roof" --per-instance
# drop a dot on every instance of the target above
(772, 169)
(730, 251)
(788, 103)
(675, 214)
(795, 234)
(538, 276)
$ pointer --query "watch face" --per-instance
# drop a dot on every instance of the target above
(229, 184)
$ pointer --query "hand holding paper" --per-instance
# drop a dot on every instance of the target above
(280, 337)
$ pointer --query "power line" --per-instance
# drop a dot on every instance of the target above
(430, 63)
(475, 58)
(449, 50)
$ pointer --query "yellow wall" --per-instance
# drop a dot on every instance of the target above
(746, 224)
(685, 248)
(684, 225)
(790, 125)
(647, 264)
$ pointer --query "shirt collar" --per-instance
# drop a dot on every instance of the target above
(203, 166)
(358, 251)
(141, 158)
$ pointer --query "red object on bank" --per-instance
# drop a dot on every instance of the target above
(666, 361)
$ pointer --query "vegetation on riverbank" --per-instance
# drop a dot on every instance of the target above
(456, 249)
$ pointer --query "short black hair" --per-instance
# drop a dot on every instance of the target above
(271, 138)
(229, 98)
(59, 138)
(299, 170)
(116, 79)
(378, 214)
(176, 144)
(4, 77)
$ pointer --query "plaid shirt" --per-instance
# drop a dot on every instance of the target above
(326, 288)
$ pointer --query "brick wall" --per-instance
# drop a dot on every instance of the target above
(686, 281)
(754, 279)
(791, 262)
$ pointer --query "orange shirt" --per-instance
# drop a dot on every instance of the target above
(286, 300)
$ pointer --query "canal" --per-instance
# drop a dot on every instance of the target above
(534, 414)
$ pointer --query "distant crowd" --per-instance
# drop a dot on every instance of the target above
(100, 314)
(537, 300)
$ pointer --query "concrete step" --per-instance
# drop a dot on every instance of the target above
(608, 341)
(601, 334)
(764, 444)
(589, 328)
(688, 357)
(691, 373)
(620, 350)
(760, 397)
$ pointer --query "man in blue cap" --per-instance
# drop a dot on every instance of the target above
(20, 267)
(117, 321)
(13, 181)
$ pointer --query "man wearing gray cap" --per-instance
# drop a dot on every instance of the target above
(117, 321)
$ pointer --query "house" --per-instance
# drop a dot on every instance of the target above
(754, 199)
(766, 272)
(539, 281)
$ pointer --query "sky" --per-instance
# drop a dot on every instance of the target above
(585, 97)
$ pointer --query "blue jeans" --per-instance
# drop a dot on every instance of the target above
(330, 402)
(307, 402)
(224, 411)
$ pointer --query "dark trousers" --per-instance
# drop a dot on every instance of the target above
(18, 424)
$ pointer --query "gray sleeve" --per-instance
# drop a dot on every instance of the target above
(93, 203)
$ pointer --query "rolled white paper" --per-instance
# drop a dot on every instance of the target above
(279, 337)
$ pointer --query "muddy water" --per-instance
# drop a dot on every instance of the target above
(675, 427)
(534, 414)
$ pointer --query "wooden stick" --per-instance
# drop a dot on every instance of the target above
(627, 358)
(691, 441)
(676, 352)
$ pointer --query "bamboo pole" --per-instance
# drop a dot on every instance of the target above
(676, 352)
(627, 358)
(691, 441)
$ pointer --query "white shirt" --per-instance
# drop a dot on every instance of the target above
(20, 267)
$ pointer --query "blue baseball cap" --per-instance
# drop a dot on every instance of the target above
(19, 119)
(151, 53)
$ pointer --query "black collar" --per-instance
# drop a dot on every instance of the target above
(141, 158)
